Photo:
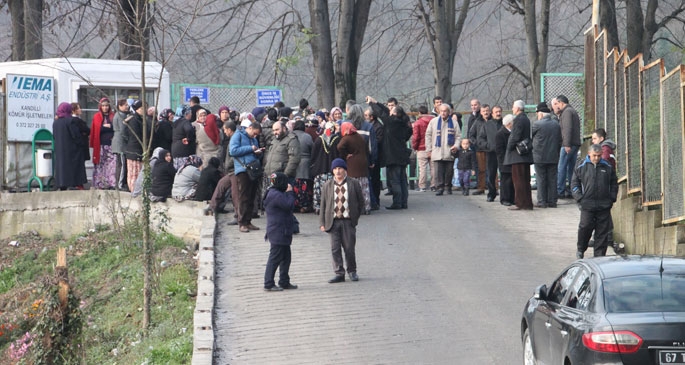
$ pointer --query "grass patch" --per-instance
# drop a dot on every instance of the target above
(106, 275)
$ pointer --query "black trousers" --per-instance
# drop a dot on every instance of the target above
(279, 257)
(343, 238)
(598, 221)
(444, 172)
(491, 172)
(546, 178)
(376, 184)
(506, 187)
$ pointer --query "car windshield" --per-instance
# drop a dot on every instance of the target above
(645, 293)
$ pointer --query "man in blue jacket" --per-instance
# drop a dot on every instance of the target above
(244, 148)
(595, 188)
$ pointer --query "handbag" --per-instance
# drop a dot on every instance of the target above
(254, 169)
(524, 147)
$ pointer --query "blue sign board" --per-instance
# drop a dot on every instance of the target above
(200, 92)
(268, 97)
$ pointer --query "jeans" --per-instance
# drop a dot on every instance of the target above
(399, 186)
(567, 162)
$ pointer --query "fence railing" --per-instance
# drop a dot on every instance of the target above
(642, 109)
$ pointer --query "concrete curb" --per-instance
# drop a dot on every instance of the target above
(203, 329)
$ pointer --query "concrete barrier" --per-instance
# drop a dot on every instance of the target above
(75, 211)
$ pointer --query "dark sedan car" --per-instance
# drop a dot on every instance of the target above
(609, 310)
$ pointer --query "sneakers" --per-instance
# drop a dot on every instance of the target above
(421, 190)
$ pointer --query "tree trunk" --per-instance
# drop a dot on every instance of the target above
(442, 34)
(634, 27)
(354, 15)
(33, 32)
(537, 49)
(132, 29)
(607, 21)
(17, 14)
(322, 52)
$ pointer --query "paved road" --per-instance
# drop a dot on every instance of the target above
(443, 282)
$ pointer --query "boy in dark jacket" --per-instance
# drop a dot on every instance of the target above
(279, 202)
(465, 165)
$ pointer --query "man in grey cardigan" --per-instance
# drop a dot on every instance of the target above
(546, 146)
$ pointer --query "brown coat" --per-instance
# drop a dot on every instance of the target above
(352, 149)
(355, 202)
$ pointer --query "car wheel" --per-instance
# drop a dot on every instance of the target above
(528, 355)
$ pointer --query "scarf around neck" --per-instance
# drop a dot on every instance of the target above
(450, 133)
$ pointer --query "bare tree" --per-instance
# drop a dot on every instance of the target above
(354, 15)
(537, 45)
(322, 52)
(27, 29)
(442, 29)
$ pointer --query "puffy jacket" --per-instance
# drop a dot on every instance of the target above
(594, 187)
(418, 142)
(279, 212)
(284, 155)
(241, 150)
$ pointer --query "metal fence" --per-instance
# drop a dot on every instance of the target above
(643, 109)
(633, 154)
(600, 58)
(621, 129)
(651, 133)
(237, 97)
(569, 84)
(672, 146)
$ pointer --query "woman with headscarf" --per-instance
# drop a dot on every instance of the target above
(70, 168)
(133, 141)
(353, 149)
(164, 129)
(303, 181)
(208, 139)
(76, 112)
(162, 174)
(209, 178)
(104, 161)
(324, 151)
(187, 178)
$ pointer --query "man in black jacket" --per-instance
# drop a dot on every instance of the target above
(520, 161)
(506, 196)
(487, 136)
(595, 188)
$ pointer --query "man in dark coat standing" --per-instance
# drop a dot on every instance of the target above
(595, 188)
(546, 146)
(279, 204)
(342, 203)
(506, 196)
(486, 140)
(396, 155)
(520, 163)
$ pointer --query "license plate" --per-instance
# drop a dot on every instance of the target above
(672, 357)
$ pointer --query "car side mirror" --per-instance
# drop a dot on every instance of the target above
(540, 292)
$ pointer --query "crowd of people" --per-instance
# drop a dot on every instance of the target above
(229, 159)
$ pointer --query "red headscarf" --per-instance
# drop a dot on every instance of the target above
(347, 128)
(98, 119)
(211, 129)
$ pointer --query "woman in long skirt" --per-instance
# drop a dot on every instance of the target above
(104, 161)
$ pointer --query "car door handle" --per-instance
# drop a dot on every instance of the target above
(548, 325)
(564, 333)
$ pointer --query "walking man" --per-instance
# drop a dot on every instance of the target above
(595, 188)
(546, 146)
(342, 202)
